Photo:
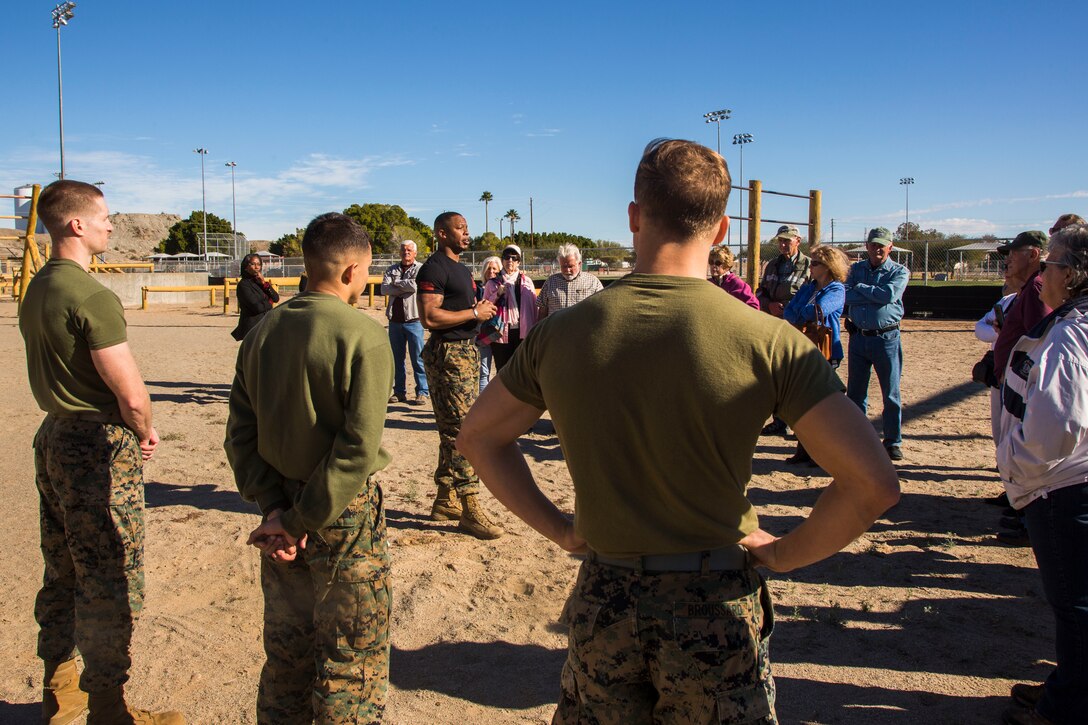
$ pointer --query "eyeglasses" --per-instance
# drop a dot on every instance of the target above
(1044, 265)
(717, 264)
(816, 263)
(514, 257)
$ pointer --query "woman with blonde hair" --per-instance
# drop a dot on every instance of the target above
(820, 301)
(721, 275)
(488, 271)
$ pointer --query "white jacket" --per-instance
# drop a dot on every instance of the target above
(1043, 431)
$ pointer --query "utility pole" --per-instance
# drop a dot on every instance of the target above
(532, 234)
(203, 197)
(233, 206)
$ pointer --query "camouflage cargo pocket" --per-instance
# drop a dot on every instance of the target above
(746, 705)
(362, 616)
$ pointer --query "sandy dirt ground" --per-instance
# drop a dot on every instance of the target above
(925, 617)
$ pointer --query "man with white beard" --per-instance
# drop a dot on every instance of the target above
(569, 286)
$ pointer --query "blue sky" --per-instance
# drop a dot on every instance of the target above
(427, 104)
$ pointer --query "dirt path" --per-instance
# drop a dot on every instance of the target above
(924, 618)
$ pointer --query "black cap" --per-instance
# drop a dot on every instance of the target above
(1034, 238)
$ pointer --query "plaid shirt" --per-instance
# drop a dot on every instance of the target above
(558, 293)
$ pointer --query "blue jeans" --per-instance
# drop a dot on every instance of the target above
(884, 353)
(410, 335)
(485, 365)
(1058, 528)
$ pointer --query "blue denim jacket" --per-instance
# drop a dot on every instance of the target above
(802, 308)
(875, 295)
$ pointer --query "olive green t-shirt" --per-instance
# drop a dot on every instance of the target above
(658, 388)
(65, 315)
(308, 404)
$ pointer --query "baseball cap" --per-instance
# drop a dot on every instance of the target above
(881, 236)
(1033, 238)
(787, 231)
(511, 247)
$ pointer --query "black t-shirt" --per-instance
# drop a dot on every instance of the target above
(440, 275)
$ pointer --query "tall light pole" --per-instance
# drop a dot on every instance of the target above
(906, 182)
(233, 206)
(203, 197)
(740, 139)
(716, 117)
(61, 15)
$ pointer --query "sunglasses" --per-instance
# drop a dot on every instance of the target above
(1044, 265)
(816, 263)
(514, 257)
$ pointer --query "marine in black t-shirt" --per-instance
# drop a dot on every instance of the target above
(443, 276)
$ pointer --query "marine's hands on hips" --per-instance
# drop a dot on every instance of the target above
(147, 447)
(570, 541)
(271, 538)
(762, 546)
(485, 310)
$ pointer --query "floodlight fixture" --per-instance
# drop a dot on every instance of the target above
(61, 15)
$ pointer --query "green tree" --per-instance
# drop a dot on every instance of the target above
(289, 245)
(487, 240)
(486, 198)
(513, 216)
(185, 236)
(381, 221)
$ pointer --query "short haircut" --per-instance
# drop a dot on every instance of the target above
(409, 243)
(568, 250)
(722, 254)
(64, 200)
(1073, 242)
(331, 237)
(490, 260)
(442, 221)
(834, 259)
(682, 186)
(1065, 220)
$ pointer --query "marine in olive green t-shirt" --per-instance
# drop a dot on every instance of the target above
(67, 313)
(690, 376)
(309, 398)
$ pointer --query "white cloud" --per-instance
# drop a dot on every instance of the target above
(544, 133)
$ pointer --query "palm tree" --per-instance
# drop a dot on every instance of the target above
(513, 216)
(486, 198)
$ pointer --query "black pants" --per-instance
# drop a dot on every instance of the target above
(505, 350)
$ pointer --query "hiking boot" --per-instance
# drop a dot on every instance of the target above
(109, 708)
(62, 700)
(474, 520)
(1026, 695)
(895, 453)
(446, 506)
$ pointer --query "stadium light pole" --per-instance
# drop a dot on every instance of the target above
(906, 182)
(233, 206)
(716, 117)
(203, 197)
(740, 139)
(61, 15)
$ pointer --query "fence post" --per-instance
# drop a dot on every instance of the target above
(370, 302)
(755, 209)
(226, 296)
(143, 298)
(31, 261)
(814, 202)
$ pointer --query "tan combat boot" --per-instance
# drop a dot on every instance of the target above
(474, 519)
(446, 506)
(109, 708)
(62, 700)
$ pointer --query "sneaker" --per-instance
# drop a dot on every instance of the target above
(1001, 499)
(895, 453)
(775, 428)
(422, 399)
(1026, 695)
(1014, 538)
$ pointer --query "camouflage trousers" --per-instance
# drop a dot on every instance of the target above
(326, 622)
(677, 647)
(91, 490)
(453, 373)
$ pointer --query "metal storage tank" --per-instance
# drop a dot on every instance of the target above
(22, 208)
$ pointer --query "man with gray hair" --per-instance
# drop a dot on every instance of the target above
(568, 286)
(405, 329)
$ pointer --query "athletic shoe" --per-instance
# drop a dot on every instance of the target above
(1014, 538)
